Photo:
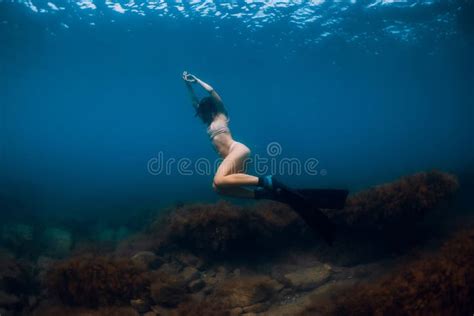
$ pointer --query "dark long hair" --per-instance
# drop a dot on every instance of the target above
(208, 108)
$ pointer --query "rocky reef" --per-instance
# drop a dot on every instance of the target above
(18, 285)
(94, 281)
(369, 223)
(440, 283)
(401, 203)
(259, 259)
(223, 229)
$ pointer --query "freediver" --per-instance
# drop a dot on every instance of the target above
(231, 179)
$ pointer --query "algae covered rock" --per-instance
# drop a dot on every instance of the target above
(49, 310)
(168, 294)
(309, 278)
(196, 285)
(16, 283)
(248, 290)
(398, 203)
(94, 281)
(141, 305)
(147, 260)
(190, 274)
(169, 288)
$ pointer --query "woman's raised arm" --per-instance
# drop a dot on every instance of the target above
(189, 79)
(209, 89)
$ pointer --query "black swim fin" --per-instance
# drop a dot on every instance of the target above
(319, 223)
(334, 199)
(318, 198)
(304, 207)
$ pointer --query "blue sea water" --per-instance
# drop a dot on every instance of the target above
(91, 92)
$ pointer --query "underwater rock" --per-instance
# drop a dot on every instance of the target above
(236, 311)
(196, 285)
(43, 265)
(10, 270)
(48, 309)
(256, 308)
(147, 260)
(236, 272)
(207, 307)
(168, 289)
(58, 242)
(310, 278)
(94, 281)
(142, 306)
(247, 290)
(169, 268)
(224, 230)
(16, 282)
(167, 294)
(221, 273)
(189, 259)
(210, 280)
(189, 274)
(433, 284)
(207, 290)
(399, 203)
(143, 241)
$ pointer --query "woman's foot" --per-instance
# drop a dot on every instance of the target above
(272, 188)
(266, 182)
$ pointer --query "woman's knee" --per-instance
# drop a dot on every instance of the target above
(218, 184)
(218, 188)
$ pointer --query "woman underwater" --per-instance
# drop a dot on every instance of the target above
(230, 178)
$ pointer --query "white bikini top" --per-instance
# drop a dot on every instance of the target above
(218, 127)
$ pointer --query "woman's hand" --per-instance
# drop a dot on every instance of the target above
(188, 77)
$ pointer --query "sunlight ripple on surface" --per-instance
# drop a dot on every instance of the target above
(325, 18)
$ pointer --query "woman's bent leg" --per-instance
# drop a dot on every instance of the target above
(230, 173)
(235, 180)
